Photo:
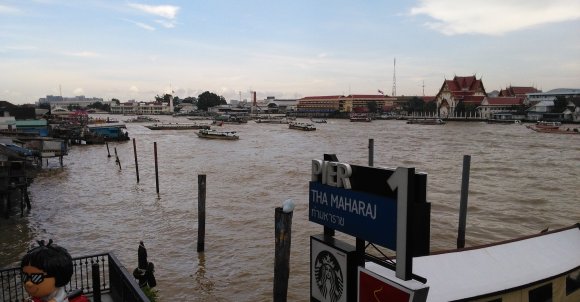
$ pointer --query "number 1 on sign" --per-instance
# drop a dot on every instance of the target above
(399, 181)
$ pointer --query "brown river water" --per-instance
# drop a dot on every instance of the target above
(520, 183)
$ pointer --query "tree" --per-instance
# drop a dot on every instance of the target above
(460, 108)
(372, 106)
(209, 99)
(560, 104)
(163, 99)
(431, 106)
(414, 104)
(100, 106)
(190, 100)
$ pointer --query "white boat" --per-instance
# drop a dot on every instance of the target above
(178, 126)
(541, 267)
(319, 121)
(426, 121)
(215, 134)
(301, 126)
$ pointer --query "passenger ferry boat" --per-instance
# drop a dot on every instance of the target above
(215, 134)
(301, 126)
(541, 267)
(426, 121)
(360, 117)
(178, 126)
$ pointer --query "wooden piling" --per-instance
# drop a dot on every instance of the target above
(371, 152)
(156, 168)
(201, 184)
(283, 234)
(463, 201)
(117, 159)
(136, 162)
(96, 282)
(109, 153)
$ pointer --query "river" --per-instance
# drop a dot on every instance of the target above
(521, 182)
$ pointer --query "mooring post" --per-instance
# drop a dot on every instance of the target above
(463, 202)
(156, 169)
(283, 233)
(108, 152)
(201, 212)
(96, 282)
(117, 159)
(136, 162)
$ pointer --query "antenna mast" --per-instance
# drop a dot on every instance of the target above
(394, 77)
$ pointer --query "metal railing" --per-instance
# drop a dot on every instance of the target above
(94, 275)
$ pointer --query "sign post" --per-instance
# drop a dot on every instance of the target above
(386, 207)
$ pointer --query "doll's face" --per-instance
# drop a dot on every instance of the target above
(32, 278)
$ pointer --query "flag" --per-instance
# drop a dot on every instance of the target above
(381, 92)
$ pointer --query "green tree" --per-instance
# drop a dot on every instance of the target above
(163, 99)
(414, 105)
(209, 99)
(372, 106)
(100, 106)
(116, 101)
(431, 106)
(560, 104)
(190, 100)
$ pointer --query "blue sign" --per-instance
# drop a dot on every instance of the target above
(363, 215)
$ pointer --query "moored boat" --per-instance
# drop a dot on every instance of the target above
(215, 134)
(301, 126)
(178, 126)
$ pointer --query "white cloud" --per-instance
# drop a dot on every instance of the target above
(165, 11)
(79, 91)
(144, 26)
(166, 24)
(494, 17)
(83, 54)
(134, 89)
(4, 9)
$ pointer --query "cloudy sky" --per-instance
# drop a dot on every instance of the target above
(287, 49)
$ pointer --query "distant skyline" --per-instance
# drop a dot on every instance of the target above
(140, 49)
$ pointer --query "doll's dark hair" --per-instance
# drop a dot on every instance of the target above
(51, 258)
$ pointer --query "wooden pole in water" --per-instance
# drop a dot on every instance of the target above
(283, 233)
(156, 169)
(117, 159)
(201, 181)
(108, 152)
(463, 202)
(136, 162)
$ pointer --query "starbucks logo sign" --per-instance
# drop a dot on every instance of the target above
(329, 277)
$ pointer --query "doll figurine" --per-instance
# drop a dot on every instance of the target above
(46, 270)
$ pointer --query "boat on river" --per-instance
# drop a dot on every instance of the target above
(319, 120)
(557, 130)
(426, 121)
(301, 126)
(548, 125)
(272, 120)
(178, 126)
(540, 267)
(360, 117)
(215, 134)
(142, 119)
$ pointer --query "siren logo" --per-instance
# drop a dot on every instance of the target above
(328, 274)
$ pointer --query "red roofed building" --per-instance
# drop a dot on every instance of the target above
(518, 91)
(325, 105)
(467, 89)
(505, 105)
